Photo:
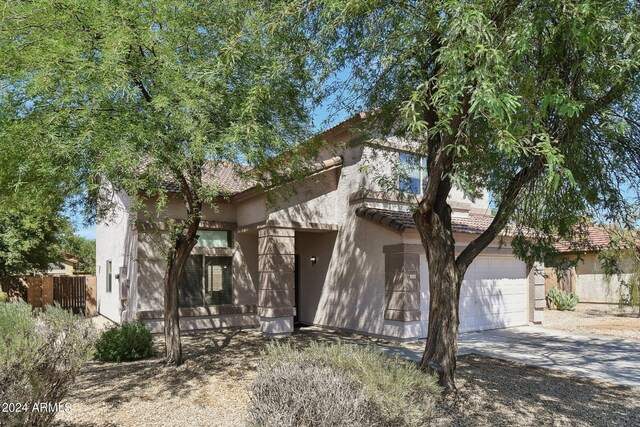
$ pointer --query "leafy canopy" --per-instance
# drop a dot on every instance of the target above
(146, 93)
(501, 94)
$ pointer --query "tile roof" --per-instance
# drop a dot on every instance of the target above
(400, 220)
(595, 239)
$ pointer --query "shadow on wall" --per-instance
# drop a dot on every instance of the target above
(127, 276)
(151, 266)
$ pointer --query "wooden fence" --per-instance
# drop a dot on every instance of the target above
(70, 292)
(74, 293)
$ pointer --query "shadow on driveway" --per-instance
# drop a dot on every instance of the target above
(603, 358)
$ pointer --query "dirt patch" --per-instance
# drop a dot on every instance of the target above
(597, 319)
(211, 389)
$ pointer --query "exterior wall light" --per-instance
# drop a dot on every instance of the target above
(313, 260)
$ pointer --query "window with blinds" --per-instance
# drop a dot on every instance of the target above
(206, 280)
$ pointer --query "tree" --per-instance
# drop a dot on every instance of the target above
(29, 239)
(81, 249)
(537, 102)
(149, 96)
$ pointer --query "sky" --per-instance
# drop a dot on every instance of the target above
(80, 229)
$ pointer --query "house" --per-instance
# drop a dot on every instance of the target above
(339, 253)
(587, 278)
(65, 267)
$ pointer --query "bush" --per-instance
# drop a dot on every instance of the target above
(3, 296)
(561, 299)
(125, 342)
(339, 385)
(40, 355)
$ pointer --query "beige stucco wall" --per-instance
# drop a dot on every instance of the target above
(222, 211)
(346, 288)
(593, 286)
(113, 238)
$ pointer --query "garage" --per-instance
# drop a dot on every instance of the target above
(494, 294)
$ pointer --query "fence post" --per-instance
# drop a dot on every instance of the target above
(91, 302)
(47, 291)
(34, 291)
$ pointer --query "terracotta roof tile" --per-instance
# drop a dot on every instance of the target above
(595, 239)
(400, 220)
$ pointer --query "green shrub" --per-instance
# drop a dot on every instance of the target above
(40, 355)
(125, 342)
(339, 385)
(3, 296)
(562, 300)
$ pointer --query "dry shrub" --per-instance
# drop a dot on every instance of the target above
(339, 385)
(40, 355)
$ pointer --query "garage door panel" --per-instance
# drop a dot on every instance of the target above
(494, 294)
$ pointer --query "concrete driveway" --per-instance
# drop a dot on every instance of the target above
(603, 358)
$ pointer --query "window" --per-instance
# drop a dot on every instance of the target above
(207, 277)
(214, 239)
(412, 173)
(206, 280)
(109, 278)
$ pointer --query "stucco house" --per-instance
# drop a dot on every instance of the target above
(587, 278)
(339, 253)
(65, 267)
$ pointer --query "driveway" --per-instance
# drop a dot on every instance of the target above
(603, 358)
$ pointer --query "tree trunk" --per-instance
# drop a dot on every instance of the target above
(444, 286)
(175, 263)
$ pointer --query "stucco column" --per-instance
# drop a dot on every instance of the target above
(537, 301)
(276, 280)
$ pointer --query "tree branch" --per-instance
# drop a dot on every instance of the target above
(506, 208)
(143, 89)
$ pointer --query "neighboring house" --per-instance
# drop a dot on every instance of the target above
(587, 279)
(65, 267)
(339, 253)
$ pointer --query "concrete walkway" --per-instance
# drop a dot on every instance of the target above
(603, 358)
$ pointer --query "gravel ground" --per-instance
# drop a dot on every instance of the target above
(595, 319)
(210, 389)
(499, 393)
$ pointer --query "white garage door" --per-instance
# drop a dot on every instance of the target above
(494, 294)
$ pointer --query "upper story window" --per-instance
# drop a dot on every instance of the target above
(412, 173)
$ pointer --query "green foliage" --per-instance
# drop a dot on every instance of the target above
(562, 300)
(621, 260)
(83, 250)
(144, 93)
(3, 296)
(535, 102)
(33, 236)
(379, 390)
(125, 342)
(40, 356)
(29, 239)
